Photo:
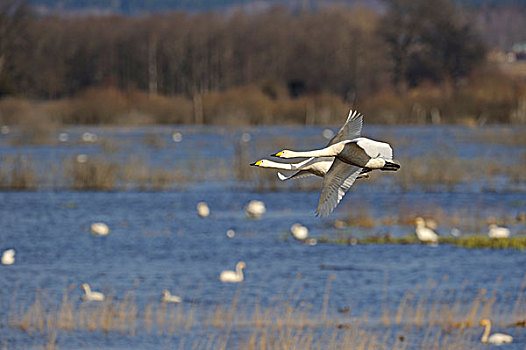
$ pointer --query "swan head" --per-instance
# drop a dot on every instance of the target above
(166, 292)
(420, 221)
(485, 322)
(85, 286)
(263, 163)
(241, 265)
(283, 154)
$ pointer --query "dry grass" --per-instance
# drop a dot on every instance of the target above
(428, 317)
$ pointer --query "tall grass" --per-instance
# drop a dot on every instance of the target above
(427, 316)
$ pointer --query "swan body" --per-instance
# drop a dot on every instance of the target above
(299, 231)
(495, 338)
(424, 233)
(229, 276)
(255, 209)
(99, 229)
(203, 210)
(167, 297)
(8, 257)
(90, 295)
(498, 232)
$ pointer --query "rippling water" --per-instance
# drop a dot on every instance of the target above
(157, 241)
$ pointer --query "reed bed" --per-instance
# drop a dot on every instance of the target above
(428, 317)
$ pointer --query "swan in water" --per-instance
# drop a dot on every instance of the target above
(498, 232)
(255, 209)
(8, 257)
(89, 295)
(99, 229)
(233, 276)
(299, 231)
(424, 233)
(496, 338)
(203, 210)
(354, 155)
(167, 297)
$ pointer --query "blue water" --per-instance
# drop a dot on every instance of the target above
(157, 241)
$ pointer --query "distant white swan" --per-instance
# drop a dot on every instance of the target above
(353, 156)
(99, 229)
(299, 231)
(8, 257)
(203, 210)
(498, 232)
(424, 233)
(233, 276)
(255, 209)
(496, 338)
(89, 295)
(167, 297)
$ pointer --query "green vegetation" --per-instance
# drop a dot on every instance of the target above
(475, 241)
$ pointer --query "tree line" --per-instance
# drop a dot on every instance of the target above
(346, 51)
(351, 53)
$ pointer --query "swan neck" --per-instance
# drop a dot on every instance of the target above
(239, 271)
(276, 165)
(485, 335)
(324, 152)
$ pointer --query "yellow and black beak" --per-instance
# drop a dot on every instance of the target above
(277, 154)
(258, 163)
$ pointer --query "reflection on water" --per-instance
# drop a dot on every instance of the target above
(157, 241)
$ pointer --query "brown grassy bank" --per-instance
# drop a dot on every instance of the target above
(492, 99)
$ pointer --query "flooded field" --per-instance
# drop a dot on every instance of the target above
(145, 184)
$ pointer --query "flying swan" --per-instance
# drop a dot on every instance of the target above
(353, 157)
(229, 276)
(496, 338)
(318, 166)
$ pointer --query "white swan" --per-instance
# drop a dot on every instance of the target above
(99, 229)
(498, 232)
(255, 209)
(203, 210)
(229, 276)
(353, 156)
(496, 338)
(312, 166)
(319, 166)
(299, 231)
(167, 297)
(89, 295)
(8, 257)
(424, 233)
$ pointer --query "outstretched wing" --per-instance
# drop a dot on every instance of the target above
(336, 183)
(350, 130)
(297, 175)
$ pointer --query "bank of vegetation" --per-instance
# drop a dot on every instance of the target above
(416, 62)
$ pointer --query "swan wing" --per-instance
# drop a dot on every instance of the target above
(499, 338)
(337, 181)
(351, 129)
(297, 175)
(375, 149)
